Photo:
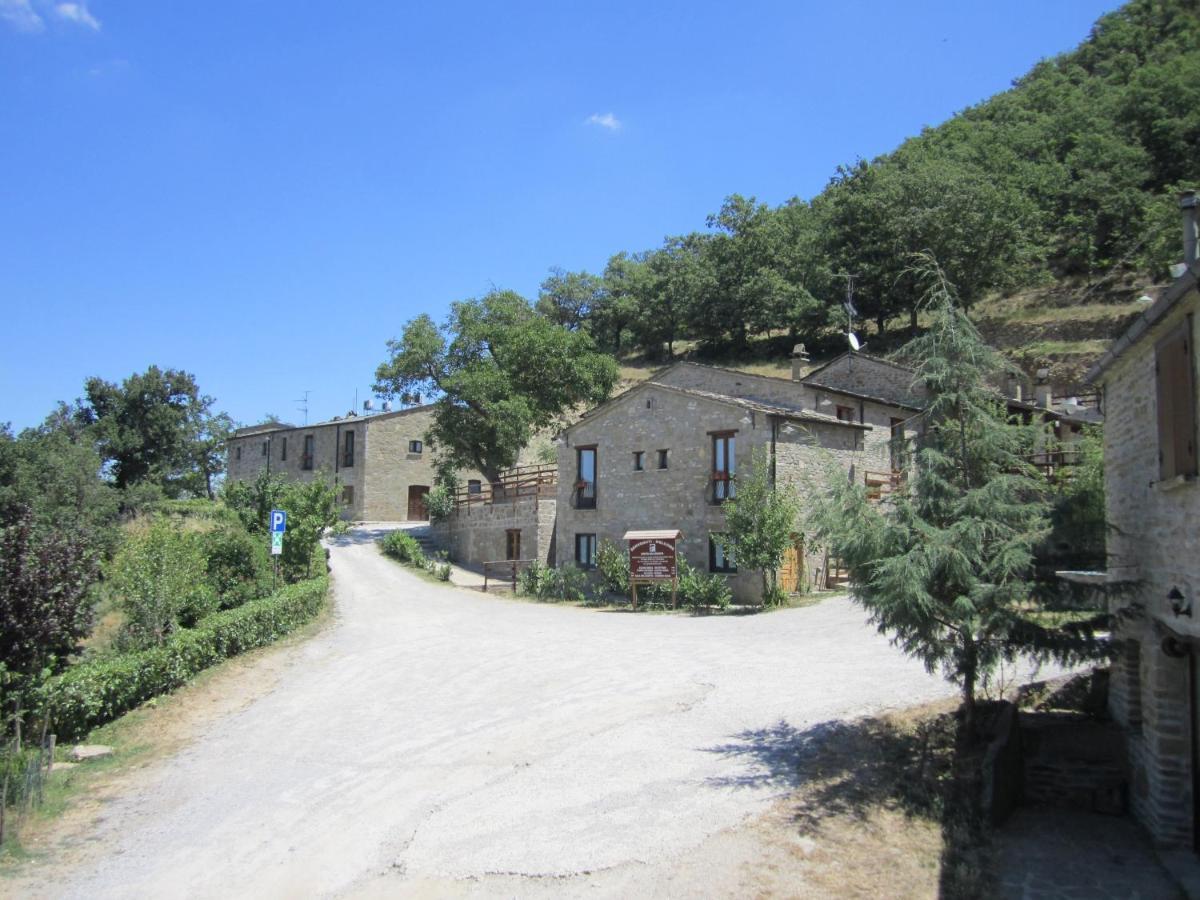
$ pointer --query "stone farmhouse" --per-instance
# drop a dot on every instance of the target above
(380, 463)
(1151, 405)
(666, 454)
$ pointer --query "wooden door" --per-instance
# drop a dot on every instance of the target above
(512, 543)
(417, 509)
(791, 573)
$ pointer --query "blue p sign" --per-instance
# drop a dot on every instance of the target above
(278, 521)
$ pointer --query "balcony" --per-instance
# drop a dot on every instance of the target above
(724, 487)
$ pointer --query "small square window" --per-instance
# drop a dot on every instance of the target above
(348, 495)
(663, 458)
(474, 486)
(718, 561)
(639, 460)
(415, 447)
(585, 551)
(845, 413)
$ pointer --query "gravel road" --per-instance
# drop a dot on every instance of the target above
(436, 741)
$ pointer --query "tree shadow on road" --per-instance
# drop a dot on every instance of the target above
(902, 763)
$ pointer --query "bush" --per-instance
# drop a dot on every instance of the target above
(700, 590)
(613, 565)
(158, 578)
(443, 572)
(440, 503)
(237, 566)
(544, 583)
(91, 693)
(403, 547)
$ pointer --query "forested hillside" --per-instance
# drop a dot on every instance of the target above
(1053, 190)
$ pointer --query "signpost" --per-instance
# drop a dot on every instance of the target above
(278, 527)
(652, 560)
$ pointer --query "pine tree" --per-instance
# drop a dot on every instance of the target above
(946, 566)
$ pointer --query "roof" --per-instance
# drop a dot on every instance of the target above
(1145, 321)
(784, 412)
(662, 534)
(275, 428)
(813, 380)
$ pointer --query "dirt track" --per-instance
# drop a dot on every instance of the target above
(438, 742)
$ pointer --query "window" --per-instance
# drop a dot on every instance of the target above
(348, 450)
(723, 469)
(238, 452)
(1176, 382)
(283, 449)
(306, 461)
(474, 486)
(512, 543)
(585, 551)
(662, 459)
(348, 495)
(585, 478)
(415, 446)
(266, 447)
(717, 560)
(846, 414)
(639, 461)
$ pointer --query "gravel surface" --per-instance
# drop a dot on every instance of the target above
(436, 741)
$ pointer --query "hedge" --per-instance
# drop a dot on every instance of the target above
(91, 693)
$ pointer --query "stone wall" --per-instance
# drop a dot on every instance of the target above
(383, 468)
(478, 533)
(1155, 543)
(649, 419)
(870, 376)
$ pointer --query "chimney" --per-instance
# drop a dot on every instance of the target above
(1042, 391)
(1188, 203)
(799, 362)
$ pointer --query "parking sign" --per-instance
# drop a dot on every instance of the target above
(278, 521)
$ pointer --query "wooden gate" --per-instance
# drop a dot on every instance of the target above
(418, 510)
(791, 573)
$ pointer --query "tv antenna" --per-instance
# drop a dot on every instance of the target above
(304, 406)
(851, 312)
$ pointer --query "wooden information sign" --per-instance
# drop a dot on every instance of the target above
(652, 560)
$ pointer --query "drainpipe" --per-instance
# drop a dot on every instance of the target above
(774, 429)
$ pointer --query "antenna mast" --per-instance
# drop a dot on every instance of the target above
(304, 407)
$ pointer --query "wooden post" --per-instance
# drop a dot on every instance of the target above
(633, 584)
(675, 592)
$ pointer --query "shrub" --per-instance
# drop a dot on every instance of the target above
(158, 578)
(440, 502)
(45, 604)
(443, 572)
(701, 590)
(402, 546)
(237, 566)
(613, 565)
(544, 583)
(92, 693)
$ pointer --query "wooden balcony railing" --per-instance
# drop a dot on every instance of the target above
(503, 571)
(521, 481)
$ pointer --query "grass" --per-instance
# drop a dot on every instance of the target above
(1062, 348)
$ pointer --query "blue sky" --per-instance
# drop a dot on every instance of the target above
(262, 193)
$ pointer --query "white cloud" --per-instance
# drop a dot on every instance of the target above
(604, 120)
(77, 13)
(21, 15)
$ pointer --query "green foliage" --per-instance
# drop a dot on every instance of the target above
(311, 508)
(237, 565)
(612, 563)
(567, 583)
(440, 502)
(159, 580)
(702, 590)
(947, 566)
(1078, 525)
(98, 691)
(502, 372)
(45, 608)
(252, 501)
(760, 524)
(156, 427)
(403, 547)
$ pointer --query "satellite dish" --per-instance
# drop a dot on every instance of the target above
(853, 338)
(368, 405)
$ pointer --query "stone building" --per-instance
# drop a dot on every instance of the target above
(1148, 380)
(666, 453)
(380, 463)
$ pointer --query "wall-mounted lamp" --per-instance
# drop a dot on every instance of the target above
(1180, 605)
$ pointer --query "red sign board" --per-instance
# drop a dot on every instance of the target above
(652, 559)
